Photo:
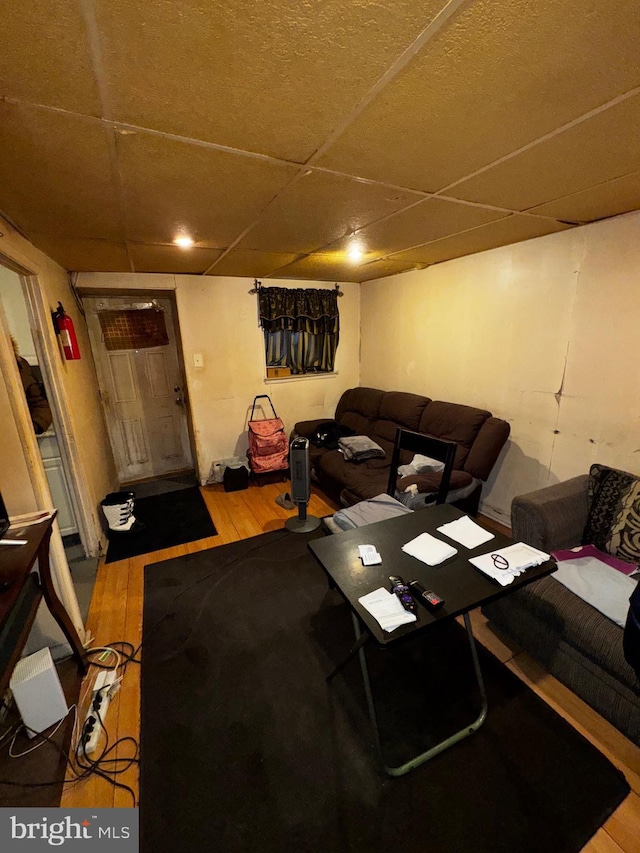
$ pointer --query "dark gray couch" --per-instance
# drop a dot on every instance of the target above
(577, 644)
(378, 414)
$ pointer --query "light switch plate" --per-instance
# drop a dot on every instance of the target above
(198, 361)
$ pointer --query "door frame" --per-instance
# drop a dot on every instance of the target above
(139, 295)
(48, 359)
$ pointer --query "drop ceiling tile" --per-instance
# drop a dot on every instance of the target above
(273, 77)
(172, 259)
(323, 266)
(56, 175)
(609, 199)
(214, 195)
(501, 233)
(78, 255)
(381, 269)
(429, 220)
(596, 150)
(244, 262)
(497, 77)
(45, 56)
(318, 209)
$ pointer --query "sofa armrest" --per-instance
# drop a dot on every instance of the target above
(553, 517)
(486, 447)
(307, 429)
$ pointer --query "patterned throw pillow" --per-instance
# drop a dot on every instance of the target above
(613, 524)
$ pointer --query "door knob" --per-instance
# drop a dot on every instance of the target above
(179, 401)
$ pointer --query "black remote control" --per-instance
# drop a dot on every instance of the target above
(426, 596)
(399, 587)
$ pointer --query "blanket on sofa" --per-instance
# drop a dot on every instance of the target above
(357, 448)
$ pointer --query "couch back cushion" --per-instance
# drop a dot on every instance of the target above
(358, 408)
(398, 409)
(454, 422)
(613, 523)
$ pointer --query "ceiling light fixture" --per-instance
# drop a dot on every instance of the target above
(355, 253)
(184, 241)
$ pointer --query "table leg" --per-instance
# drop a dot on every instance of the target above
(361, 639)
(447, 742)
(56, 608)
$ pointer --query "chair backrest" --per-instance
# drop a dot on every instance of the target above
(426, 445)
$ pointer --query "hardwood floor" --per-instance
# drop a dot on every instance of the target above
(116, 614)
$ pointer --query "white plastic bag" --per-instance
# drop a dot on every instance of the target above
(217, 468)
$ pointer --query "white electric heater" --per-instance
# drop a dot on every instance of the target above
(38, 693)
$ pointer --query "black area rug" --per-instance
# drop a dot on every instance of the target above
(170, 519)
(245, 747)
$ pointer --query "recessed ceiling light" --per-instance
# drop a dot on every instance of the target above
(355, 253)
(184, 241)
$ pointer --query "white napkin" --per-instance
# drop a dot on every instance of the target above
(519, 556)
(430, 550)
(466, 532)
(385, 607)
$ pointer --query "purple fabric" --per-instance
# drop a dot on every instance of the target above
(592, 551)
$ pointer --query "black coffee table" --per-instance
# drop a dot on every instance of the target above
(462, 585)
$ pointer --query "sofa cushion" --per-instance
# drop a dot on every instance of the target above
(333, 464)
(613, 524)
(403, 408)
(398, 409)
(358, 408)
(454, 422)
(556, 611)
(487, 447)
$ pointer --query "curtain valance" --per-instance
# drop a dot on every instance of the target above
(301, 309)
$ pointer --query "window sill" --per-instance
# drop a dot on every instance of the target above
(300, 377)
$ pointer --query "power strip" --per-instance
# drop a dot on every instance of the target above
(103, 691)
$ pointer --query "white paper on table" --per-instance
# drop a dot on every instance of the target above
(430, 550)
(519, 556)
(466, 532)
(386, 609)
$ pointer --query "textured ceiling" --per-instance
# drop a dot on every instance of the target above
(274, 131)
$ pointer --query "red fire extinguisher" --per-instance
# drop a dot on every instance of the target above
(64, 328)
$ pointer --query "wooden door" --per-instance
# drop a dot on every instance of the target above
(143, 396)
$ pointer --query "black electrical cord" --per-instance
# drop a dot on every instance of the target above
(127, 656)
(82, 770)
(94, 766)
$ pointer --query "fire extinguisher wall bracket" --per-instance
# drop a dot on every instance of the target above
(63, 325)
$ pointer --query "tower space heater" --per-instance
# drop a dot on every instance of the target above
(300, 487)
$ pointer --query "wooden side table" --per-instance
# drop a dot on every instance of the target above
(21, 591)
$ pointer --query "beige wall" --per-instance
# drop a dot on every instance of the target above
(541, 333)
(218, 320)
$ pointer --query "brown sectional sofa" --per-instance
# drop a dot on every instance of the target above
(378, 414)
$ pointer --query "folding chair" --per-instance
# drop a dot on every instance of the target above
(386, 505)
(426, 445)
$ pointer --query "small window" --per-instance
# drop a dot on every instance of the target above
(126, 328)
(301, 328)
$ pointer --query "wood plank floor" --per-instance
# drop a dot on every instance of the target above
(116, 614)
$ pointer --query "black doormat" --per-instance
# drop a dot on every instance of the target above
(170, 519)
(244, 746)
